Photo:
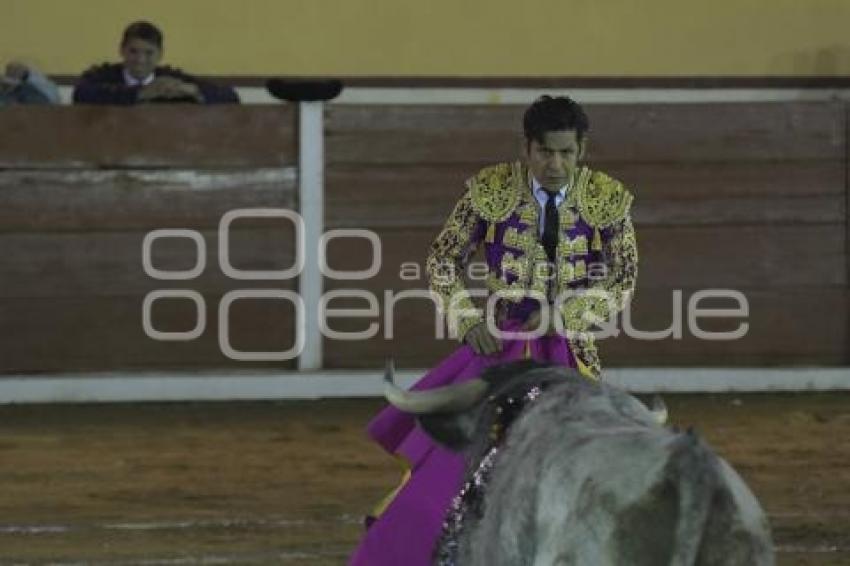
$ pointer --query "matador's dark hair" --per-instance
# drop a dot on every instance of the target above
(145, 31)
(549, 113)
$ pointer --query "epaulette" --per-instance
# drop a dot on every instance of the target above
(495, 191)
(601, 200)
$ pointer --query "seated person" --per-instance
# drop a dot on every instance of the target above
(22, 84)
(139, 78)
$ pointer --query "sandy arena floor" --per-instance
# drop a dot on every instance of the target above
(272, 483)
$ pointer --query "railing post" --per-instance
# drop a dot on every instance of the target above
(311, 194)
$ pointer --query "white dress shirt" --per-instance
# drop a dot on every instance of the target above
(542, 196)
(130, 80)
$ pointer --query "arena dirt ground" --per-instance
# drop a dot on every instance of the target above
(286, 483)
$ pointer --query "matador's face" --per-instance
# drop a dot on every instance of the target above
(553, 161)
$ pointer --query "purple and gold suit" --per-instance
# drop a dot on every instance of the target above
(596, 251)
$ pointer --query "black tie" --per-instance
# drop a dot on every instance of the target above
(550, 227)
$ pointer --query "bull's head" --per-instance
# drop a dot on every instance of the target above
(461, 415)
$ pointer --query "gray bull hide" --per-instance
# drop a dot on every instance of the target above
(584, 476)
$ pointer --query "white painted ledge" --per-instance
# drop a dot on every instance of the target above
(266, 385)
(524, 96)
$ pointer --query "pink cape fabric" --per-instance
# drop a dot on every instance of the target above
(406, 532)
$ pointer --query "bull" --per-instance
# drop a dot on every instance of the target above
(563, 471)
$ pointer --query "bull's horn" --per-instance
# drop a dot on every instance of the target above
(455, 397)
(658, 410)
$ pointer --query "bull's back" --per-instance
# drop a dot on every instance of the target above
(616, 493)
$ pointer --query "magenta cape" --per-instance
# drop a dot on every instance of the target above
(406, 532)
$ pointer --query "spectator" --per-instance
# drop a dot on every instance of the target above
(21, 84)
(139, 78)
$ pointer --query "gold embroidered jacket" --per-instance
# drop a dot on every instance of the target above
(596, 264)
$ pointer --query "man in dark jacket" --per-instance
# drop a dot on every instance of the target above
(139, 79)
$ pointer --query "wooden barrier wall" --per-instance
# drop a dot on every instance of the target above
(751, 197)
(80, 189)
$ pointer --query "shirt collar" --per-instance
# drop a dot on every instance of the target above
(130, 80)
(542, 195)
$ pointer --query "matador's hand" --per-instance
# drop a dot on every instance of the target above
(482, 342)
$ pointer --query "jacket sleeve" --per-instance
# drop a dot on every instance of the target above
(611, 286)
(44, 86)
(212, 93)
(25, 93)
(92, 93)
(217, 94)
(447, 261)
(95, 87)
